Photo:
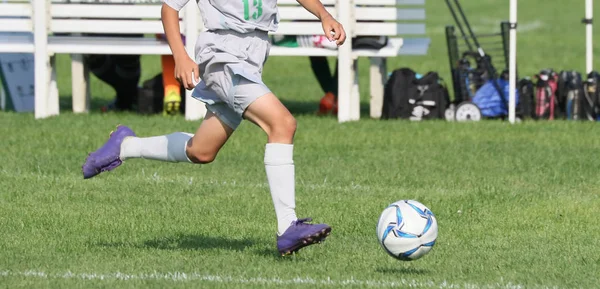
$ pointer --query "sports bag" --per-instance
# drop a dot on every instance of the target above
(591, 94)
(546, 102)
(407, 96)
(526, 105)
(570, 95)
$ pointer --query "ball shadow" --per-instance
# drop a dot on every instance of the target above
(402, 271)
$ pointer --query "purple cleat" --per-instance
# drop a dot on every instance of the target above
(300, 234)
(106, 158)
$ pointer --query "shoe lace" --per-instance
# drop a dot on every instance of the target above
(302, 222)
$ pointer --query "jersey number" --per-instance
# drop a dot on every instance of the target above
(257, 4)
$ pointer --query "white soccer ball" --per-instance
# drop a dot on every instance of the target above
(407, 230)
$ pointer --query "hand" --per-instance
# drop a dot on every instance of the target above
(187, 72)
(333, 30)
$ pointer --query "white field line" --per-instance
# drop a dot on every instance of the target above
(224, 279)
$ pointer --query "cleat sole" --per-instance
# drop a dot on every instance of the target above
(316, 238)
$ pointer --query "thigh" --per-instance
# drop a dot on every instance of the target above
(210, 137)
(268, 112)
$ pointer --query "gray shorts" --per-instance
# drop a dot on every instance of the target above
(231, 67)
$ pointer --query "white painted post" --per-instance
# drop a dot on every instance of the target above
(589, 49)
(378, 75)
(40, 40)
(53, 100)
(194, 109)
(2, 98)
(512, 71)
(345, 62)
(80, 84)
(355, 92)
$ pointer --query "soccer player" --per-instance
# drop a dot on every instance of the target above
(229, 56)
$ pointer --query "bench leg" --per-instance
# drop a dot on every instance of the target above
(348, 92)
(80, 77)
(2, 97)
(53, 100)
(355, 93)
(378, 73)
(344, 89)
(194, 109)
(41, 85)
(46, 89)
(41, 60)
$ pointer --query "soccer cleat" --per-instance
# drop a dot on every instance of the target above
(106, 158)
(301, 234)
(327, 104)
(172, 101)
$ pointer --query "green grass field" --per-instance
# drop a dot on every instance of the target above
(516, 204)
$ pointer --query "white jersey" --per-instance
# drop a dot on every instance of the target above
(239, 15)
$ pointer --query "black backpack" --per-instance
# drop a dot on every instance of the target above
(571, 96)
(526, 105)
(591, 94)
(407, 97)
(369, 42)
(432, 98)
(396, 93)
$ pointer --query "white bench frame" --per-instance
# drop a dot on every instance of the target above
(28, 21)
(346, 13)
(45, 46)
(42, 18)
(62, 21)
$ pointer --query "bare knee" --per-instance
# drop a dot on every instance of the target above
(201, 157)
(283, 130)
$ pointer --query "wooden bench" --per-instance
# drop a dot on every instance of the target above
(67, 22)
(23, 24)
(77, 28)
(360, 18)
(47, 28)
(16, 18)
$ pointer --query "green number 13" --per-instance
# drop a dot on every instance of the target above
(257, 4)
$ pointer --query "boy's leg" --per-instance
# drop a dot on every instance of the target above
(280, 126)
(176, 147)
(320, 68)
(200, 148)
(334, 83)
(208, 140)
(172, 87)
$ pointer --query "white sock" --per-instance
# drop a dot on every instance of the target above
(279, 165)
(169, 148)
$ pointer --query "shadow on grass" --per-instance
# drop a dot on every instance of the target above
(403, 271)
(189, 242)
(301, 107)
(195, 242)
(294, 106)
(311, 107)
(272, 253)
(66, 103)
